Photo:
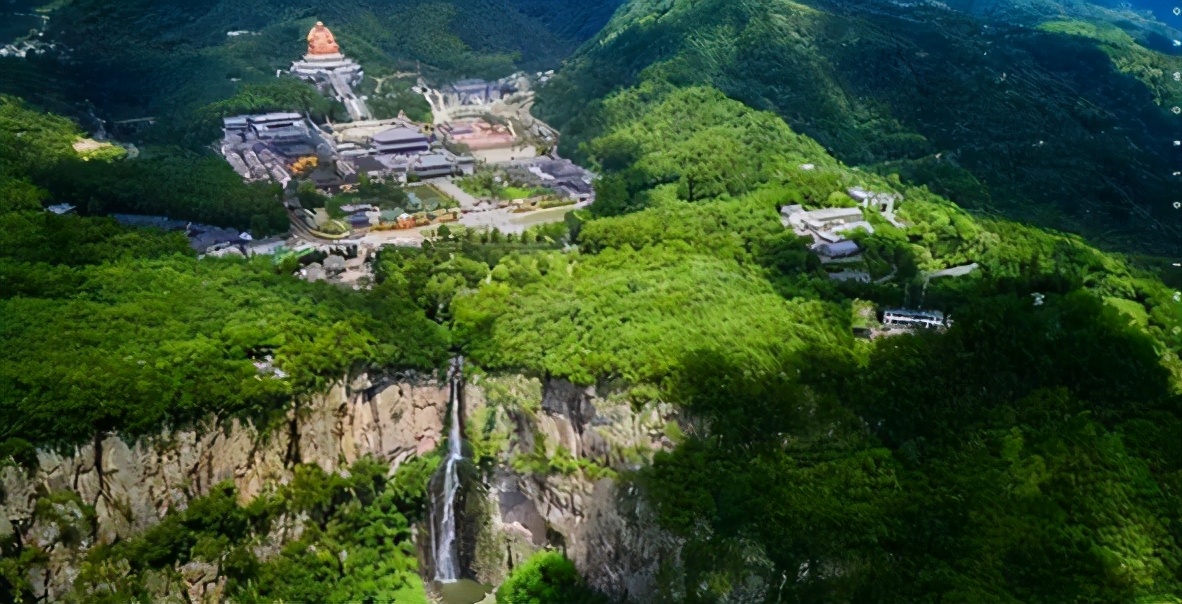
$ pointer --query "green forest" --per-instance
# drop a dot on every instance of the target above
(1060, 123)
(1028, 454)
(172, 59)
(111, 329)
(183, 185)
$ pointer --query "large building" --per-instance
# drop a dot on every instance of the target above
(269, 145)
(433, 164)
(478, 92)
(401, 141)
(823, 219)
(278, 127)
(560, 175)
(837, 249)
(825, 225)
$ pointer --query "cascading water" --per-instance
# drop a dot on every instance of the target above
(443, 540)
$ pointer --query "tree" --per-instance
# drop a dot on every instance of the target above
(309, 196)
(546, 578)
(708, 167)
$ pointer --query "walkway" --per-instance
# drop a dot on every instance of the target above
(956, 271)
(438, 105)
(502, 219)
(344, 93)
(452, 190)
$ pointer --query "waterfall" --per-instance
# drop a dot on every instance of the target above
(443, 540)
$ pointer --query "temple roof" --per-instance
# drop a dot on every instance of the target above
(400, 134)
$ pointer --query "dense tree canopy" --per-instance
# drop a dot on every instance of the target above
(546, 578)
(110, 329)
(1050, 112)
(39, 149)
(1027, 454)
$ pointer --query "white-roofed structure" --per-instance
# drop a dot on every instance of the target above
(901, 317)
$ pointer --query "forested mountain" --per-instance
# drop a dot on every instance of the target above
(106, 328)
(1028, 451)
(1029, 454)
(1012, 107)
(167, 59)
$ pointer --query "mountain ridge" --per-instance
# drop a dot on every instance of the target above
(1038, 124)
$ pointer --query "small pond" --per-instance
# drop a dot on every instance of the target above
(465, 591)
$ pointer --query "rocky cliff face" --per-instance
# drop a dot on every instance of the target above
(130, 486)
(577, 506)
(551, 457)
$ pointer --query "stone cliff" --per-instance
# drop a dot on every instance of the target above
(130, 486)
(576, 504)
(549, 453)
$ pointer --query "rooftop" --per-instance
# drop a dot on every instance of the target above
(368, 164)
(853, 226)
(433, 160)
(838, 249)
(905, 315)
(397, 135)
(832, 213)
(274, 117)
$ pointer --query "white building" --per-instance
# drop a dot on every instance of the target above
(901, 317)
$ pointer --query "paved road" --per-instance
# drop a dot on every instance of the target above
(508, 222)
(301, 230)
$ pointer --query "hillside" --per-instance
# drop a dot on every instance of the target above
(167, 59)
(129, 294)
(1027, 454)
(1058, 122)
(670, 396)
(110, 329)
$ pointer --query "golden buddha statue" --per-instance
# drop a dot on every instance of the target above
(321, 41)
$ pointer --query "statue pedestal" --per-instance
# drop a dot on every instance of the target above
(312, 65)
(336, 56)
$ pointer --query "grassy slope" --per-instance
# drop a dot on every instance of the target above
(1043, 126)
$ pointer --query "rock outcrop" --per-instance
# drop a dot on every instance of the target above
(130, 486)
(604, 526)
(566, 497)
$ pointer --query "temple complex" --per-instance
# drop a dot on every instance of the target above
(331, 71)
